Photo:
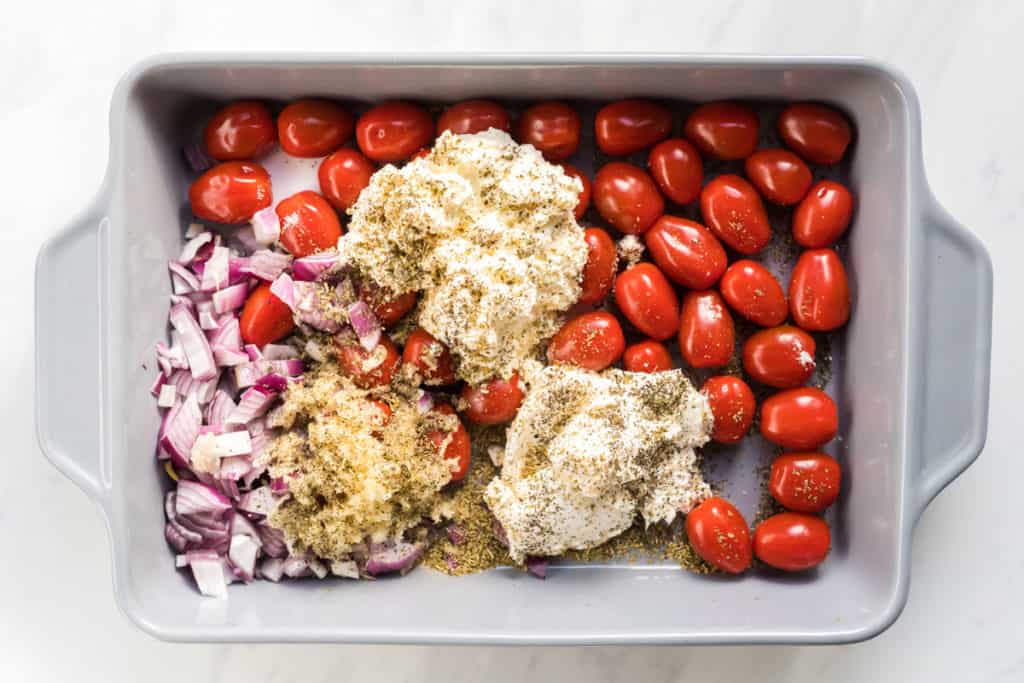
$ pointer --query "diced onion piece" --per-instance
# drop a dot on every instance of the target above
(393, 556)
(266, 227)
(538, 566)
(158, 383)
(296, 567)
(197, 348)
(168, 395)
(318, 568)
(182, 279)
(242, 554)
(279, 352)
(425, 402)
(194, 498)
(209, 575)
(227, 358)
(207, 321)
(215, 271)
(366, 325)
(220, 408)
(259, 501)
(188, 253)
(181, 429)
(310, 268)
(273, 541)
(272, 569)
(345, 568)
(235, 443)
(230, 298)
(283, 288)
(253, 403)
(267, 265)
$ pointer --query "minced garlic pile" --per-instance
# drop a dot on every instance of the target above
(350, 479)
(589, 451)
(484, 228)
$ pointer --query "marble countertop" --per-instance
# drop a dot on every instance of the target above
(60, 61)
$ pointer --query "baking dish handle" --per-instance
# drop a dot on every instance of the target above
(957, 344)
(68, 343)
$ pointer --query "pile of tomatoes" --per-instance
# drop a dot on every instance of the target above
(699, 276)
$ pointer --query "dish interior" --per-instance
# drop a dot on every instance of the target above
(857, 590)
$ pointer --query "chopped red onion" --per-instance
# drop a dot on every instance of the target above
(272, 569)
(242, 554)
(311, 268)
(230, 298)
(272, 381)
(168, 395)
(366, 325)
(296, 567)
(254, 352)
(318, 568)
(173, 356)
(247, 374)
(253, 403)
(182, 279)
(235, 443)
(279, 352)
(238, 271)
(227, 358)
(179, 538)
(205, 390)
(266, 227)
(196, 346)
(267, 265)
(278, 485)
(158, 383)
(456, 534)
(180, 561)
(256, 471)
(245, 238)
(195, 155)
(425, 402)
(215, 270)
(188, 253)
(392, 556)
(207, 321)
(538, 566)
(220, 407)
(199, 499)
(209, 576)
(184, 300)
(259, 502)
(284, 289)
(228, 335)
(309, 309)
(346, 569)
(273, 541)
(181, 430)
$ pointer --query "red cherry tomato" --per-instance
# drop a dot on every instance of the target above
(313, 128)
(819, 293)
(393, 131)
(781, 357)
(388, 309)
(792, 542)
(457, 448)
(495, 402)
(354, 359)
(239, 131)
(706, 333)
(583, 203)
(723, 130)
(677, 168)
(628, 126)
(647, 356)
(802, 419)
(719, 534)
(308, 224)
(265, 318)
(732, 404)
(599, 271)
(805, 482)
(779, 175)
(473, 116)
(592, 341)
(823, 216)
(647, 299)
(429, 356)
(553, 128)
(818, 133)
(686, 251)
(627, 197)
(753, 292)
(343, 175)
(734, 212)
(230, 192)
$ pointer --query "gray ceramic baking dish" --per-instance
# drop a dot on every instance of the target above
(912, 370)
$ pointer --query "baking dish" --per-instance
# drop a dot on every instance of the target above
(912, 372)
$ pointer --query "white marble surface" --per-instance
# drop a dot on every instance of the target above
(58, 66)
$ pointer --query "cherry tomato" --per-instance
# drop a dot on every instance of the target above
(753, 292)
(388, 309)
(343, 175)
(429, 356)
(473, 116)
(628, 126)
(677, 169)
(494, 402)
(792, 541)
(719, 534)
(239, 131)
(313, 128)
(819, 293)
(686, 251)
(818, 133)
(553, 128)
(647, 299)
(723, 130)
(583, 203)
(230, 192)
(458, 447)
(732, 404)
(265, 318)
(647, 356)
(627, 197)
(354, 359)
(823, 216)
(779, 175)
(308, 224)
(592, 341)
(599, 271)
(734, 212)
(706, 334)
(801, 419)
(393, 131)
(805, 482)
(781, 357)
